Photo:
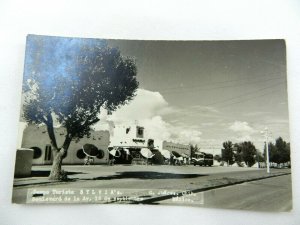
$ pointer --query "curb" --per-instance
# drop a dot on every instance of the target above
(44, 183)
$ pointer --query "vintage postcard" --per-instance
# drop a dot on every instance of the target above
(189, 123)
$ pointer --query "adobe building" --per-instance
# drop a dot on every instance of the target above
(129, 140)
(132, 139)
(128, 136)
(36, 138)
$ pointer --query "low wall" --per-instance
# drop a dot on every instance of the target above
(23, 162)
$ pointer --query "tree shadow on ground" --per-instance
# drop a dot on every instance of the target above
(145, 175)
(46, 173)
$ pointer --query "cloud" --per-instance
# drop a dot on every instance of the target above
(242, 131)
(203, 111)
(156, 128)
(146, 104)
(242, 138)
(191, 135)
(149, 109)
(257, 113)
(243, 127)
(210, 109)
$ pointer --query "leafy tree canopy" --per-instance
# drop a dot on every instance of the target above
(227, 152)
(70, 79)
(194, 149)
(279, 152)
(249, 152)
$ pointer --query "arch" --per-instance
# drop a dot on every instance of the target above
(37, 152)
(80, 154)
(100, 154)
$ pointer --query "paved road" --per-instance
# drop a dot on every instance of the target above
(271, 194)
(137, 180)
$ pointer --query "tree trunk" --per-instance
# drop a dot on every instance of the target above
(56, 171)
(50, 129)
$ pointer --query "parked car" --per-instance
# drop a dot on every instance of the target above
(203, 159)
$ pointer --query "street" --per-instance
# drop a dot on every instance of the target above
(271, 194)
(160, 184)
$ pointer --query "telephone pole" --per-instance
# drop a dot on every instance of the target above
(266, 135)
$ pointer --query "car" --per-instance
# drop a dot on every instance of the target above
(202, 159)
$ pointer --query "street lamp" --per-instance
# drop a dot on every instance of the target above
(266, 133)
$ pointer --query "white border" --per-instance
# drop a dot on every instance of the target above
(134, 19)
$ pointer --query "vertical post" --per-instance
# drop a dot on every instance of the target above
(257, 159)
(266, 133)
(267, 151)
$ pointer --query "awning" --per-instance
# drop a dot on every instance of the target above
(166, 154)
(146, 153)
(184, 155)
(90, 150)
(176, 154)
(115, 153)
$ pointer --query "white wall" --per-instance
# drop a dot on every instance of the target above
(119, 137)
(34, 136)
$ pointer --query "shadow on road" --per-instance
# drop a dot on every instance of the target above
(46, 173)
(145, 175)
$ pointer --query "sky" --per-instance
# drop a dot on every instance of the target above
(191, 92)
(208, 92)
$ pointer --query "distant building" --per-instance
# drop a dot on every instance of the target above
(177, 147)
(36, 138)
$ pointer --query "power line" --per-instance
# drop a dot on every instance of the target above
(249, 99)
(222, 82)
(245, 94)
(200, 88)
(238, 97)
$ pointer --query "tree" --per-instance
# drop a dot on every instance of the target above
(227, 152)
(283, 149)
(248, 153)
(238, 154)
(194, 149)
(245, 152)
(218, 158)
(273, 153)
(260, 157)
(67, 81)
(279, 152)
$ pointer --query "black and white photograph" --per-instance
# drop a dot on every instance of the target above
(157, 122)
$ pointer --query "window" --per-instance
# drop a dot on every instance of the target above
(127, 130)
(80, 154)
(48, 154)
(101, 154)
(37, 152)
(140, 132)
(150, 143)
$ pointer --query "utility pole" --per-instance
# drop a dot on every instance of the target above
(266, 135)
